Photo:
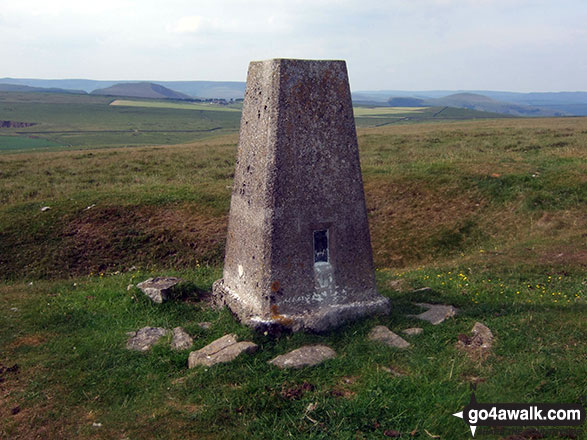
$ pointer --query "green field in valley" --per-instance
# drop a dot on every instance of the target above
(489, 214)
(20, 143)
(88, 121)
(175, 105)
(81, 121)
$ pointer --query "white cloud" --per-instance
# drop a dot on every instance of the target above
(387, 44)
(187, 25)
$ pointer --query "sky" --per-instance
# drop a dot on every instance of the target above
(509, 45)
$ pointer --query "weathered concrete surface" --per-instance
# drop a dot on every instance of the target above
(181, 340)
(159, 288)
(224, 349)
(306, 356)
(298, 252)
(436, 313)
(386, 336)
(145, 338)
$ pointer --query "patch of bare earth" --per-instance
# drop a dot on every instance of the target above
(405, 220)
(117, 236)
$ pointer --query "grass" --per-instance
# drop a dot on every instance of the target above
(175, 105)
(68, 340)
(73, 122)
(490, 214)
(19, 143)
(386, 111)
(79, 121)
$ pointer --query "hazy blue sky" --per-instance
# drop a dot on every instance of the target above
(516, 45)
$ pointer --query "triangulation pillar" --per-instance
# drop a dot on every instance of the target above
(298, 252)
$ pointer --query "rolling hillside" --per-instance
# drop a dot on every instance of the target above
(141, 90)
(478, 102)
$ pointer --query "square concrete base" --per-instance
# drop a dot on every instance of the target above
(319, 319)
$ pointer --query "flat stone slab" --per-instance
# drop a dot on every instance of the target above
(306, 356)
(436, 313)
(477, 346)
(159, 288)
(181, 340)
(413, 331)
(387, 337)
(224, 349)
(145, 338)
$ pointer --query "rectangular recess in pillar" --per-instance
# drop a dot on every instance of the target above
(321, 246)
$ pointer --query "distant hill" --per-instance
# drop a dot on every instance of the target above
(28, 89)
(141, 90)
(194, 89)
(406, 102)
(474, 101)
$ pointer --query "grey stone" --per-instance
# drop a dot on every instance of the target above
(478, 346)
(224, 349)
(298, 252)
(159, 288)
(424, 290)
(205, 325)
(145, 338)
(386, 336)
(436, 313)
(306, 356)
(393, 371)
(45, 208)
(413, 331)
(181, 340)
(482, 335)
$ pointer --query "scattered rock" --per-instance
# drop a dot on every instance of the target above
(45, 208)
(306, 356)
(205, 325)
(97, 425)
(181, 340)
(159, 288)
(413, 331)
(145, 338)
(224, 349)
(393, 371)
(424, 290)
(90, 207)
(386, 336)
(479, 344)
(130, 287)
(436, 313)
(14, 309)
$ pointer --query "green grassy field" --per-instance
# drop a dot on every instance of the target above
(490, 214)
(80, 121)
(73, 122)
(175, 105)
(20, 143)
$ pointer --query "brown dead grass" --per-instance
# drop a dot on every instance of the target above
(33, 340)
(107, 237)
(404, 219)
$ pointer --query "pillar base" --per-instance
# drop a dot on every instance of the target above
(320, 319)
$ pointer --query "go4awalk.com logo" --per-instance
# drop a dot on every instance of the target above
(519, 414)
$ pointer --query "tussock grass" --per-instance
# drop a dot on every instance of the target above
(489, 214)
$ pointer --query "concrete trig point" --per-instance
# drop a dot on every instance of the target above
(298, 252)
